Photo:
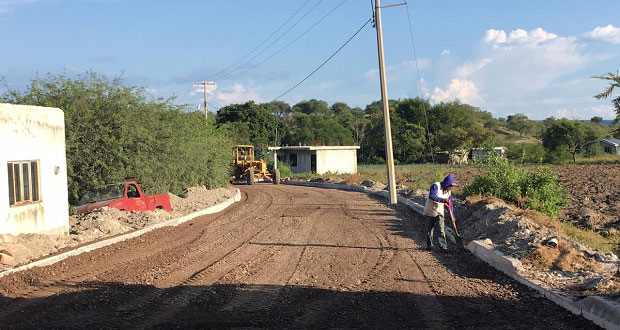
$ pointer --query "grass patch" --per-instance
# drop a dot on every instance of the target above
(598, 159)
(591, 238)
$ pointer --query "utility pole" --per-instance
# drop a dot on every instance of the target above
(204, 87)
(386, 108)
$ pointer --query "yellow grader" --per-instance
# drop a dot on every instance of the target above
(250, 169)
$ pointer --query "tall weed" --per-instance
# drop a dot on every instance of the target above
(536, 190)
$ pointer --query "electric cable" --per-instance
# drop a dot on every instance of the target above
(263, 42)
(287, 45)
(415, 56)
(272, 43)
(325, 62)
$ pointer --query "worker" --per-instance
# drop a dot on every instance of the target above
(439, 197)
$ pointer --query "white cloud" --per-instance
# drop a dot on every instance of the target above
(605, 111)
(463, 90)
(445, 52)
(237, 93)
(401, 70)
(608, 34)
(495, 36)
(565, 113)
(524, 61)
(468, 69)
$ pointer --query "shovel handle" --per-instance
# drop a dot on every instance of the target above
(453, 222)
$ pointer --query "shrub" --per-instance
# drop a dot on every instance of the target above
(526, 153)
(285, 170)
(538, 190)
(114, 133)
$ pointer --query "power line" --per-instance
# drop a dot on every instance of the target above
(263, 42)
(327, 60)
(291, 42)
(214, 107)
(273, 42)
(415, 56)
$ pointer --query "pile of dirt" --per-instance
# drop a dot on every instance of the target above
(108, 221)
(372, 185)
(547, 255)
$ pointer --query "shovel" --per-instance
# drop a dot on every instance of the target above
(457, 237)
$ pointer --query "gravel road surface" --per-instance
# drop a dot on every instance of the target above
(285, 257)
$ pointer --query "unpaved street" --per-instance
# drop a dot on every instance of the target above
(285, 257)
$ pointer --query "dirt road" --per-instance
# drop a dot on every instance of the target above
(285, 257)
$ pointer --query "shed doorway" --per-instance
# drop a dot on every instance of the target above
(313, 163)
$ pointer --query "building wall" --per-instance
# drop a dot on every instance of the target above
(613, 149)
(340, 161)
(303, 159)
(34, 133)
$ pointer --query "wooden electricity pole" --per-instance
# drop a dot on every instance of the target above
(204, 87)
(386, 107)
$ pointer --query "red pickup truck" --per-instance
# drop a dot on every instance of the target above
(124, 196)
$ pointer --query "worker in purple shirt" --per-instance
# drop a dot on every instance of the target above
(439, 197)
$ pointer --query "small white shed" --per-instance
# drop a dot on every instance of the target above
(318, 159)
(611, 146)
(34, 197)
(481, 153)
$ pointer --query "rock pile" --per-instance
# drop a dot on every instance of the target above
(102, 223)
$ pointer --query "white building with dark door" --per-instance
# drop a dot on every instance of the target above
(33, 197)
(318, 159)
(611, 146)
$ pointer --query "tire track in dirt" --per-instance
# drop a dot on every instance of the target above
(117, 268)
(151, 309)
(287, 257)
(257, 256)
(67, 279)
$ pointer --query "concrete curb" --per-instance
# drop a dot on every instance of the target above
(602, 312)
(87, 248)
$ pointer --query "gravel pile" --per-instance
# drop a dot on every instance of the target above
(107, 221)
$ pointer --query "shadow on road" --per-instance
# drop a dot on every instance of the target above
(110, 305)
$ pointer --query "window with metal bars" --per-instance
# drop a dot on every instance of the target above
(24, 182)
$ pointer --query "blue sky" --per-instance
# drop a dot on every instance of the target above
(506, 57)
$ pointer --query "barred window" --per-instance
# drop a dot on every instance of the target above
(23, 182)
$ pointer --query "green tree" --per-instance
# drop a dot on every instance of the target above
(316, 129)
(260, 120)
(569, 136)
(113, 133)
(596, 119)
(520, 123)
(312, 106)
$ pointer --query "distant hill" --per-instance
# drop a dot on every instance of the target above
(607, 122)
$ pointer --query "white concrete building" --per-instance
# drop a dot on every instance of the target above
(319, 159)
(610, 146)
(32, 154)
(480, 153)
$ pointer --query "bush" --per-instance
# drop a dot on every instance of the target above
(526, 153)
(113, 134)
(538, 190)
(285, 170)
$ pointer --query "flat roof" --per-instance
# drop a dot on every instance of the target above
(307, 148)
(612, 141)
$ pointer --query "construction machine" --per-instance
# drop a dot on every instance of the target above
(249, 169)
